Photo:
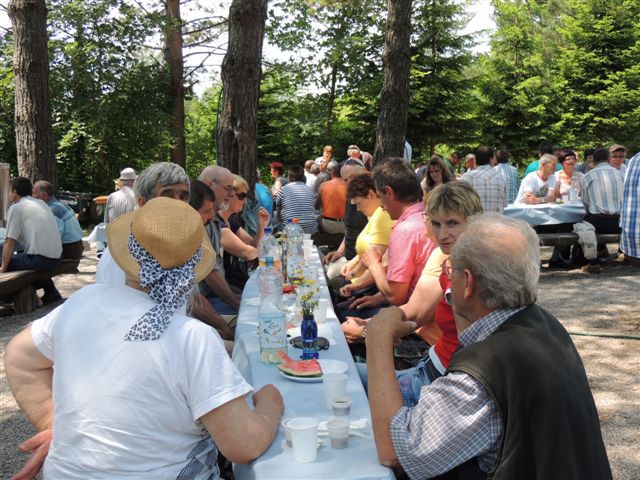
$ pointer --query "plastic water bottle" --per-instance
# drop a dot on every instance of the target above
(573, 192)
(295, 253)
(309, 332)
(269, 247)
(271, 317)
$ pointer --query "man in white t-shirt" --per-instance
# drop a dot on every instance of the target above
(140, 391)
(539, 186)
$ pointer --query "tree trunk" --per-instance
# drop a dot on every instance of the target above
(394, 98)
(173, 57)
(332, 98)
(241, 73)
(34, 142)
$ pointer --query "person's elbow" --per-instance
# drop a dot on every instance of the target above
(388, 457)
(249, 451)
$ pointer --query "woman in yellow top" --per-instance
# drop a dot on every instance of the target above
(375, 235)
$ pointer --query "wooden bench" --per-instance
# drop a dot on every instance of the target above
(329, 240)
(571, 238)
(18, 286)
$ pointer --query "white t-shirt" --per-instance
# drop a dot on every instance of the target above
(31, 223)
(534, 184)
(130, 409)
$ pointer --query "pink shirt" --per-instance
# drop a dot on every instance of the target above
(409, 248)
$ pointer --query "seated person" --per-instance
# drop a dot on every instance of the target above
(409, 247)
(485, 417)
(132, 396)
(539, 186)
(296, 200)
(32, 228)
(450, 206)
(239, 248)
(375, 235)
(568, 176)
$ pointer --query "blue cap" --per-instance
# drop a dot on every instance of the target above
(268, 230)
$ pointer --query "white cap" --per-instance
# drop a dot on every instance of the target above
(128, 174)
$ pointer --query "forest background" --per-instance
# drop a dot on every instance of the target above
(564, 71)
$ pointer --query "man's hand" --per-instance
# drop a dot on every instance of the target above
(38, 447)
(348, 290)
(368, 301)
(269, 393)
(370, 257)
(530, 198)
(331, 257)
(389, 323)
(353, 328)
(263, 218)
(226, 332)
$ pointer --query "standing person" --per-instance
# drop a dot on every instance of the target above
(485, 418)
(510, 174)
(32, 226)
(354, 156)
(630, 213)
(123, 200)
(311, 171)
(327, 156)
(296, 200)
(70, 230)
(331, 201)
(489, 183)
(277, 173)
(437, 174)
(156, 409)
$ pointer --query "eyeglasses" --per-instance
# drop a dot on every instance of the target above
(228, 188)
(241, 195)
(448, 269)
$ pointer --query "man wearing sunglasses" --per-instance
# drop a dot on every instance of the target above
(515, 401)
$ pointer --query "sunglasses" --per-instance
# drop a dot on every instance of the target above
(241, 195)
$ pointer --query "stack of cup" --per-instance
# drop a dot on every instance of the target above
(307, 246)
(338, 433)
(335, 385)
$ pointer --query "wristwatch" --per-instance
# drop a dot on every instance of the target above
(363, 335)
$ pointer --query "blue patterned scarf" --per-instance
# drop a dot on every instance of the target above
(168, 288)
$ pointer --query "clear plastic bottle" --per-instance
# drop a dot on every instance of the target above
(295, 253)
(269, 247)
(271, 316)
(574, 191)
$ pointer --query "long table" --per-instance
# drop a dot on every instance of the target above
(546, 213)
(359, 459)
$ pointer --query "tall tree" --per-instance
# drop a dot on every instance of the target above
(241, 73)
(32, 109)
(175, 63)
(394, 98)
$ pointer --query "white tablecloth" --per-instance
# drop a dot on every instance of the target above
(359, 459)
(546, 213)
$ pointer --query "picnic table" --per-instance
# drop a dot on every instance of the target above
(546, 213)
(359, 460)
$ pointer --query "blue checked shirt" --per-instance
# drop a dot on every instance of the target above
(454, 420)
(602, 190)
(630, 212)
(510, 174)
(490, 185)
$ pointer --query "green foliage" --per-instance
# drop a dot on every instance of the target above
(200, 130)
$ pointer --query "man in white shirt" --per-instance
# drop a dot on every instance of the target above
(123, 200)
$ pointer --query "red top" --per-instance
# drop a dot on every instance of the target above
(448, 342)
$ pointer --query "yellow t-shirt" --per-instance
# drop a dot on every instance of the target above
(376, 232)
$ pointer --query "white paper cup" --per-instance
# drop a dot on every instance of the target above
(341, 405)
(304, 438)
(338, 433)
(308, 243)
(307, 236)
(335, 385)
(308, 252)
(287, 431)
(320, 313)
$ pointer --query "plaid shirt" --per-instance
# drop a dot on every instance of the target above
(602, 190)
(630, 212)
(490, 185)
(455, 419)
(510, 174)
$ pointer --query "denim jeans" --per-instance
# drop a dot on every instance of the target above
(25, 261)
(222, 307)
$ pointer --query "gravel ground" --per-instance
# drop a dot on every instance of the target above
(600, 305)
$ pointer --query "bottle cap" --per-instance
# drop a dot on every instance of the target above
(268, 230)
(289, 221)
(295, 220)
(268, 261)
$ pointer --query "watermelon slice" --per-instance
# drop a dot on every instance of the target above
(299, 368)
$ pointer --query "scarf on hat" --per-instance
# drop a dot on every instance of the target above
(168, 288)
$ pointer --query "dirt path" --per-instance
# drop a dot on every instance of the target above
(600, 304)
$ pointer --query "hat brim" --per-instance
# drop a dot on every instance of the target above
(118, 244)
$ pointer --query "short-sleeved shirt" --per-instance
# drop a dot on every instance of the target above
(119, 203)
(31, 223)
(334, 197)
(68, 225)
(602, 191)
(565, 182)
(490, 185)
(510, 174)
(409, 247)
(354, 223)
(297, 201)
(376, 232)
(532, 183)
(131, 409)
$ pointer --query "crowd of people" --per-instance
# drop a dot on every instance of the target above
(434, 287)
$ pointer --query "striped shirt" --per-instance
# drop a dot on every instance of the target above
(455, 419)
(630, 212)
(510, 174)
(119, 203)
(297, 201)
(602, 190)
(490, 185)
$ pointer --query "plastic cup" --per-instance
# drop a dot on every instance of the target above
(307, 236)
(565, 198)
(287, 431)
(306, 243)
(320, 313)
(338, 433)
(304, 438)
(335, 385)
(341, 405)
(308, 252)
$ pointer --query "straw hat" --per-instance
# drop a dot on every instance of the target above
(169, 230)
